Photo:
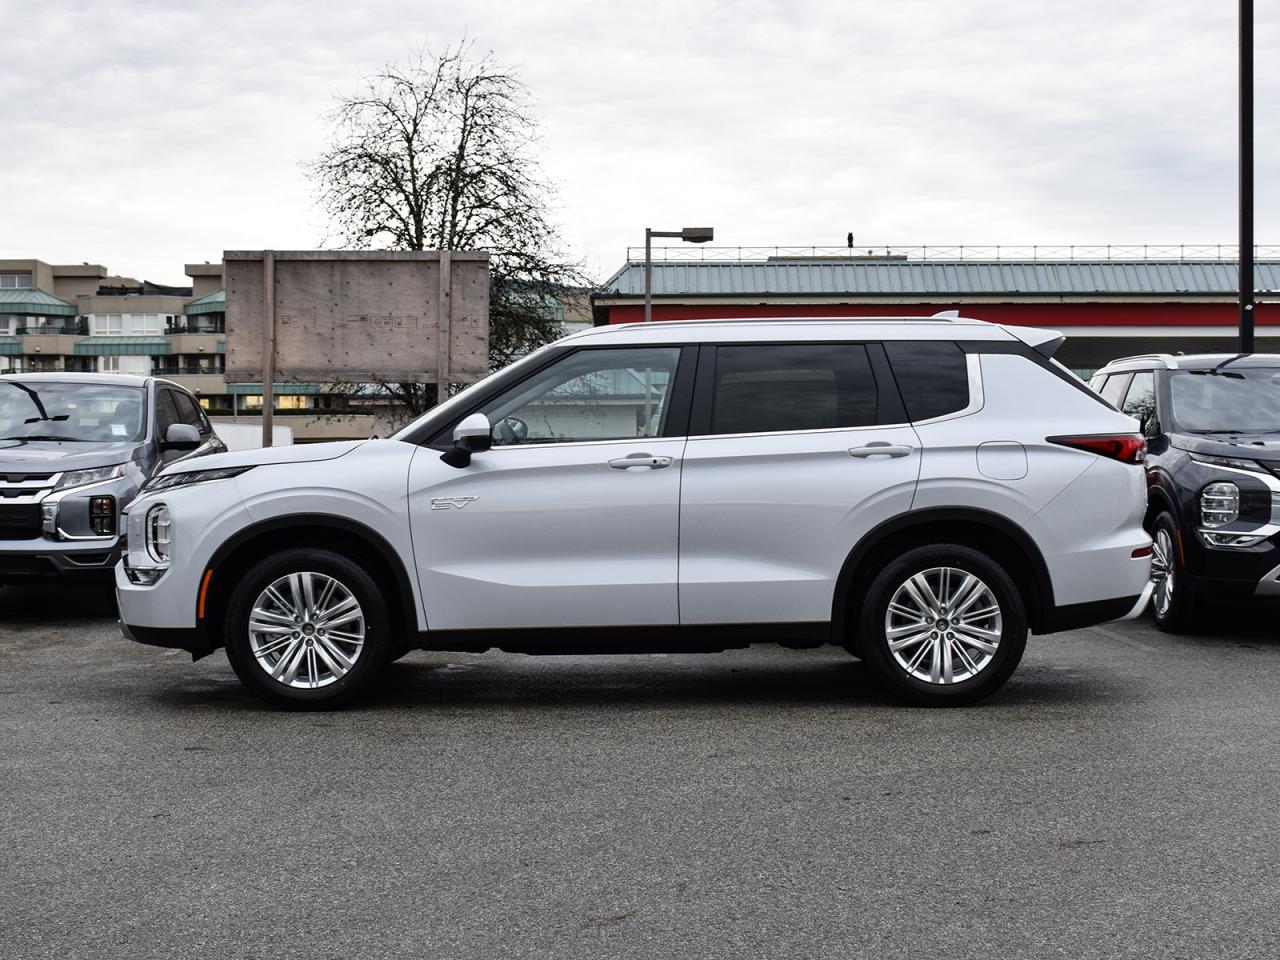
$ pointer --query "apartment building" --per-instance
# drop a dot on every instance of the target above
(80, 318)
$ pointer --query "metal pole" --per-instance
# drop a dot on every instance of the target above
(1246, 281)
(648, 275)
(268, 344)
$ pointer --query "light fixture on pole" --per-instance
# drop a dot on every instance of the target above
(688, 235)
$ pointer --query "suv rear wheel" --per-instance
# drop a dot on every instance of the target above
(307, 629)
(943, 625)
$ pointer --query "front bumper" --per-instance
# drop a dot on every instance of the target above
(43, 560)
(1236, 572)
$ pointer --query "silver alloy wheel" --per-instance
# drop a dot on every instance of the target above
(943, 625)
(306, 630)
(1162, 572)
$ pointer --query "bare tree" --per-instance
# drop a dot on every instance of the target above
(439, 154)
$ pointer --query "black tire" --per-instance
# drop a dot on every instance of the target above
(370, 661)
(1173, 604)
(874, 642)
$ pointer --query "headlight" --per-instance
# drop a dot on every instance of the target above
(78, 478)
(1219, 504)
(159, 533)
(167, 481)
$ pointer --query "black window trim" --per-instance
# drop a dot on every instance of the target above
(888, 400)
(441, 437)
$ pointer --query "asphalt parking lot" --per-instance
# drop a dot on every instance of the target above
(1117, 799)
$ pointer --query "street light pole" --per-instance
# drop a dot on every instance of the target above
(688, 235)
(1246, 279)
(648, 275)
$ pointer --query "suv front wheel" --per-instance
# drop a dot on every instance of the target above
(1172, 605)
(307, 629)
(943, 625)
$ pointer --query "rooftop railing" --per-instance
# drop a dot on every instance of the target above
(956, 251)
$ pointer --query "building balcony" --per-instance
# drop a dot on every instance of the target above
(202, 383)
(63, 327)
(209, 327)
(187, 370)
(206, 343)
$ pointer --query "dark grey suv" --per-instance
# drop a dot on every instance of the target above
(75, 448)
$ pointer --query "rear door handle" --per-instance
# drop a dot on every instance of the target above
(880, 449)
(640, 460)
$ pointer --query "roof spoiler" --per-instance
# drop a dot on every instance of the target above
(1043, 342)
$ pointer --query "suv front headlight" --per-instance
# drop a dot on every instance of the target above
(1219, 504)
(158, 533)
(79, 478)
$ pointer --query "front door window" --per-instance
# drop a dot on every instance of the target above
(602, 394)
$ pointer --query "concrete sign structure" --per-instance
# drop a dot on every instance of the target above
(342, 316)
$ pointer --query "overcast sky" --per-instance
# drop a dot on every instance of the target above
(144, 135)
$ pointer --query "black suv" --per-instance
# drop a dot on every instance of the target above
(1212, 423)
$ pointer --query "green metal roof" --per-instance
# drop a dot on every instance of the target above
(281, 389)
(123, 347)
(10, 346)
(215, 302)
(35, 303)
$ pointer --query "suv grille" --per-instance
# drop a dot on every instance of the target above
(19, 521)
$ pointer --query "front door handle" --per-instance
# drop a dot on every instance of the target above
(879, 448)
(640, 460)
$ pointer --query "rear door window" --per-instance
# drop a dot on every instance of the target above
(933, 377)
(776, 388)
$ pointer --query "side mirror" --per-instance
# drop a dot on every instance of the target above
(181, 436)
(472, 435)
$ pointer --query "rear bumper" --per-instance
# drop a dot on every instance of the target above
(1076, 616)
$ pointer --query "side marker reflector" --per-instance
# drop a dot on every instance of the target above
(204, 592)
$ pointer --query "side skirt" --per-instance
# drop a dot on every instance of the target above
(710, 638)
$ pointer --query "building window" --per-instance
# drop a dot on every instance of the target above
(144, 324)
(106, 325)
(134, 366)
(15, 280)
(8, 324)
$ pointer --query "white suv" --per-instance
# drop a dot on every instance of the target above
(920, 492)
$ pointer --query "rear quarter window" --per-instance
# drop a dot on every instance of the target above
(933, 377)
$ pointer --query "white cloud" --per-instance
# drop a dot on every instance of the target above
(146, 134)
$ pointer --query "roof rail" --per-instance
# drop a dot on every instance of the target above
(1169, 360)
(936, 318)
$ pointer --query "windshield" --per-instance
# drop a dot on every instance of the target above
(1225, 400)
(90, 412)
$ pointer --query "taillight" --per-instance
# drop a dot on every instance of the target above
(1125, 447)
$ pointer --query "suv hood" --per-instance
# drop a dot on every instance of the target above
(298, 453)
(1251, 446)
(50, 456)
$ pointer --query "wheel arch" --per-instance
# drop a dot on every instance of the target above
(1160, 500)
(327, 531)
(980, 529)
